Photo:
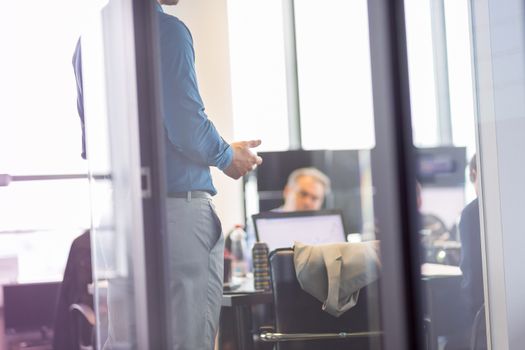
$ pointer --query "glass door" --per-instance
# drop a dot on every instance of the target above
(350, 95)
(465, 73)
(498, 32)
(122, 135)
(386, 105)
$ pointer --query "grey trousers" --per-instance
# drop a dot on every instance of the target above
(195, 247)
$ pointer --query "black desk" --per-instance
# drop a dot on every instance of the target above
(442, 308)
(440, 285)
(238, 306)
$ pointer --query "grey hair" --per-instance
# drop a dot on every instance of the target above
(311, 172)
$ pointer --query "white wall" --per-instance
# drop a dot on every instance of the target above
(208, 23)
(499, 33)
(446, 203)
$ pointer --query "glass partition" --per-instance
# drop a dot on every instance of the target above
(446, 240)
(442, 94)
(111, 115)
(386, 112)
(498, 33)
(331, 172)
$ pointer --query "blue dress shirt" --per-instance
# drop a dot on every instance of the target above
(192, 142)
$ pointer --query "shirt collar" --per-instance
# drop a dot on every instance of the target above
(158, 7)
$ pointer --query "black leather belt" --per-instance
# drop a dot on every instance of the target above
(190, 194)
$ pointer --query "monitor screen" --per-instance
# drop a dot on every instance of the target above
(30, 306)
(280, 230)
(343, 167)
(442, 166)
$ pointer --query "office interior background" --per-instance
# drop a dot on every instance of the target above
(298, 75)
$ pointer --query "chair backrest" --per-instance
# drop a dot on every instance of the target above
(84, 320)
(298, 312)
(442, 307)
(478, 338)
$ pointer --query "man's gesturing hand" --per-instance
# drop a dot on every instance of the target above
(244, 160)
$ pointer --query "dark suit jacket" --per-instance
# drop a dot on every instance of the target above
(471, 264)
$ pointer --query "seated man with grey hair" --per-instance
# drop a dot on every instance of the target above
(305, 189)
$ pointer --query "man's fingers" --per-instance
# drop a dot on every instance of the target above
(244, 159)
(254, 160)
(253, 143)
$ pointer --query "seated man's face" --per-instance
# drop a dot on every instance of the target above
(306, 194)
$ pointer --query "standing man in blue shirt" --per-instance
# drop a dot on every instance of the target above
(195, 242)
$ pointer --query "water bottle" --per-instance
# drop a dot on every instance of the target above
(239, 251)
(261, 267)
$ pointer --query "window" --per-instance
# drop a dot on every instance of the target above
(336, 99)
(421, 73)
(40, 135)
(460, 74)
(453, 50)
(258, 72)
(335, 85)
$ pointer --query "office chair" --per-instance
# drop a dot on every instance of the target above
(73, 291)
(84, 324)
(300, 322)
(478, 338)
(443, 311)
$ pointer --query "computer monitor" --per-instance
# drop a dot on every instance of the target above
(30, 306)
(280, 229)
(343, 167)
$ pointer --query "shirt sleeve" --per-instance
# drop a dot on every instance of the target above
(188, 127)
